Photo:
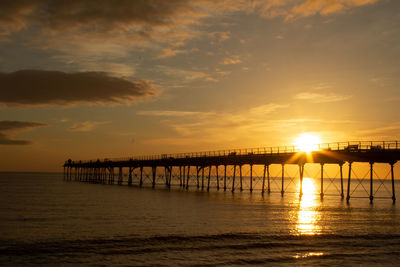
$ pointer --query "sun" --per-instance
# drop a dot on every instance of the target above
(307, 142)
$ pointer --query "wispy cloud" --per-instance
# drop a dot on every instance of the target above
(321, 97)
(385, 132)
(231, 60)
(8, 129)
(85, 29)
(268, 108)
(253, 125)
(183, 75)
(86, 126)
(170, 52)
(312, 7)
(173, 113)
(210, 127)
(221, 36)
(39, 87)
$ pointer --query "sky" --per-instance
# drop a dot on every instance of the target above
(86, 79)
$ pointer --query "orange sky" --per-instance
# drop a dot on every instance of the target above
(94, 79)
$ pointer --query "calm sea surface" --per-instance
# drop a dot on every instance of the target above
(47, 221)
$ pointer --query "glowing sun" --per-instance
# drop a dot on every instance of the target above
(307, 142)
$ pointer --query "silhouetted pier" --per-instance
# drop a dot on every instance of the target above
(200, 169)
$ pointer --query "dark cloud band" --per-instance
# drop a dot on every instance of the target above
(10, 126)
(40, 87)
(101, 15)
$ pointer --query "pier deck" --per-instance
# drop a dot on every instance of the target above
(102, 170)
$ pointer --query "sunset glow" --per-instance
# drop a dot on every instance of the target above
(307, 142)
(210, 132)
(153, 77)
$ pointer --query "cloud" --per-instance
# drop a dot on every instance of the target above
(106, 16)
(85, 126)
(217, 127)
(321, 97)
(173, 113)
(231, 61)
(86, 29)
(141, 17)
(169, 52)
(40, 87)
(182, 75)
(291, 10)
(221, 36)
(7, 129)
(14, 16)
(312, 7)
(381, 133)
(266, 109)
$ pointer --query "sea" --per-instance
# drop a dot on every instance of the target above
(47, 221)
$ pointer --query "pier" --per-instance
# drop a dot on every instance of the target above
(206, 170)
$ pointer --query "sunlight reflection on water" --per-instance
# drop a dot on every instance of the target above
(307, 216)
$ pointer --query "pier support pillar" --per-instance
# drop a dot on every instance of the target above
(209, 178)
(202, 178)
(348, 183)
(154, 172)
(371, 185)
(341, 180)
(198, 176)
(301, 171)
(268, 182)
(187, 177)
(166, 169)
(183, 177)
(120, 176)
(392, 174)
(216, 170)
(224, 177)
(241, 178)
(322, 181)
(180, 175)
(141, 176)
(251, 178)
(130, 176)
(263, 182)
(170, 175)
(233, 178)
(283, 180)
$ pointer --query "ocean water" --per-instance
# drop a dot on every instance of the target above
(45, 220)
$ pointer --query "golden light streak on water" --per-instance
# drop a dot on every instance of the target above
(307, 213)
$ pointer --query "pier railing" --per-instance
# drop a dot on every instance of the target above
(353, 146)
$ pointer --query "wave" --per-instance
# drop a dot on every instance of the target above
(203, 250)
(207, 242)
